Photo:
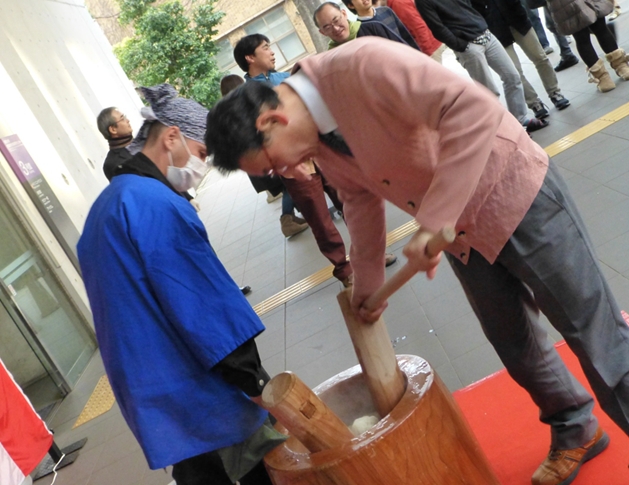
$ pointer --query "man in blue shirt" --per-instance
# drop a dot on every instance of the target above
(176, 335)
(254, 56)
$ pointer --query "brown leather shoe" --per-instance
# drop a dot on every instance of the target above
(562, 466)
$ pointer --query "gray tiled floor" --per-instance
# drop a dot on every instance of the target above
(430, 319)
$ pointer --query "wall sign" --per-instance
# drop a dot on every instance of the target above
(41, 194)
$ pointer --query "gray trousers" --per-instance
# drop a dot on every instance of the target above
(477, 61)
(533, 50)
(549, 264)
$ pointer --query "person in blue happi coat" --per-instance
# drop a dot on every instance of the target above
(176, 334)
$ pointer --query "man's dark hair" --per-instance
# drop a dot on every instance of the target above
(247, 47)
(229, 83)
(321, 7)
(348, 4)
(231, 124)
(155, 131)
(104, 120)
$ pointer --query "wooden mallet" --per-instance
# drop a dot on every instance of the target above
(371, 341)
(300, 411)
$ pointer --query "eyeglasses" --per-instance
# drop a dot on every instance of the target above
(335, 24)
(273, 170)
(270, 171)
(122, 118)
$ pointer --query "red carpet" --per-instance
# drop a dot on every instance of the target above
(506, 424)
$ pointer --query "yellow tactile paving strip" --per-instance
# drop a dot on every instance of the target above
(587, 131)
(101, 401)
(102, 398)
(320, 276)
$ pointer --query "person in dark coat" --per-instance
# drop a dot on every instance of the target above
(333, 23)
(509, 22)
(458, 25)
(567, 58)
(116, 129)
(366, 12)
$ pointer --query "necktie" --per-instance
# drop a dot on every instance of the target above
(336, 142)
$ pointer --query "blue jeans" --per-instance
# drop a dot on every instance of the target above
(288, 206)
(562, 40)
(537, 25)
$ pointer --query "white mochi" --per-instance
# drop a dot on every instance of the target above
(362, 424)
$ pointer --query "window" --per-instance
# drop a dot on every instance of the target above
(281, 33)
(225, 58)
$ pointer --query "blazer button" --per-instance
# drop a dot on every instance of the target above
(461, 233)
(411, 204)
(386, 182)
(463, 255)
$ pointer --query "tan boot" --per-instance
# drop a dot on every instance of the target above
(618, 60)
(290, 227)
(600, 77)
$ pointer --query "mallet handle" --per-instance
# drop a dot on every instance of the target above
(435, 245)
(376, 356)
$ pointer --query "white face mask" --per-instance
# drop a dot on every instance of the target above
(190, 175)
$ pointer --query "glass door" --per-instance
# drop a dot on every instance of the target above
(16, 351)
(45, 318)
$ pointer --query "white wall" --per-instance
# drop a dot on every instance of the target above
(57, 72)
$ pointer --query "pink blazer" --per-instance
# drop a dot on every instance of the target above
(429, 141)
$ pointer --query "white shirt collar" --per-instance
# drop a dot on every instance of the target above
(308, 93)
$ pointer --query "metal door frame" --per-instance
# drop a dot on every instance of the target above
(26, 329)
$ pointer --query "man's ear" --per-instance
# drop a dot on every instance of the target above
(269, 118)
(170, 136)
(250, 59)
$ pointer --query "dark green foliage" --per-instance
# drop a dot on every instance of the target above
(172, 45)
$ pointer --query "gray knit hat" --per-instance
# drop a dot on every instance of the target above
(166, 107)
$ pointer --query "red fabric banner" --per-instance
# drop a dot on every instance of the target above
(24, 437)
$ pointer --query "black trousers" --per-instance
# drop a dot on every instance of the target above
(584, 43)
(207, 469)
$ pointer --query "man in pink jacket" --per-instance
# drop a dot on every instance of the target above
(390, 124)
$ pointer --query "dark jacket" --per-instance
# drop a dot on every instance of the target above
(453, 22)
(115, 158)
(378, 29)
(390, 20)
(501, 16)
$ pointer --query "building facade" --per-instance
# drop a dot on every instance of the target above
(57, 72)
(281, 21)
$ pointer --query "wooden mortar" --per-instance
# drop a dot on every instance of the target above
(424, 440)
